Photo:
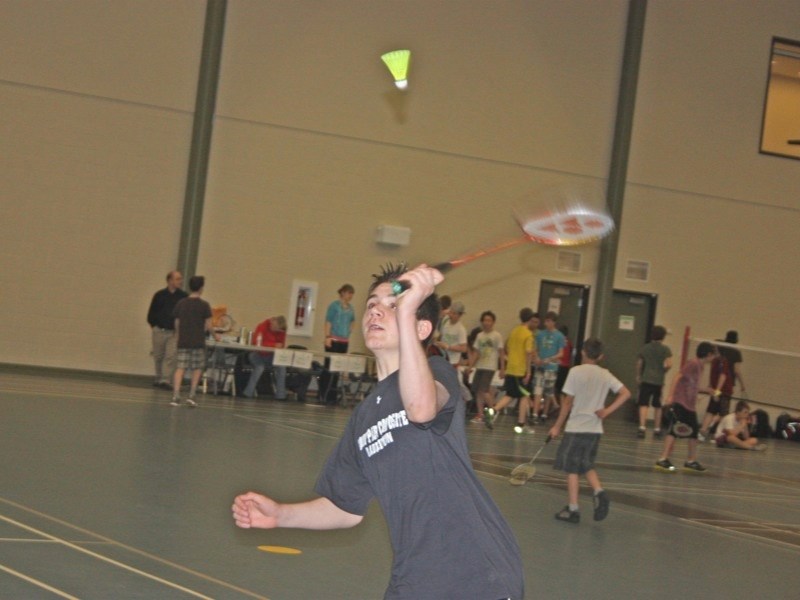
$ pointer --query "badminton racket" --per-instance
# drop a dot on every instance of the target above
(522, 473)
(565, 227)
(677, 427)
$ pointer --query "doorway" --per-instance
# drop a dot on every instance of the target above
(571, 302)
(630, 321)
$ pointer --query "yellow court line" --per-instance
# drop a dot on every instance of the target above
(38, 583)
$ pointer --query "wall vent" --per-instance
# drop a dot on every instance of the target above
(637, 270)
(569, 261)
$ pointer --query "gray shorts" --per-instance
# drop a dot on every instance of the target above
(191, 358)
(482, 380)
(577, 452)
(545, 383)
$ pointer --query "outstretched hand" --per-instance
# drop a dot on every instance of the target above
(255, 510)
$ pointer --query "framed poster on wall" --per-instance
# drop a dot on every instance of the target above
(302, 307)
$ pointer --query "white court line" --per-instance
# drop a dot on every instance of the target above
(133, 550)
(738, 532)
(105, 558)
(38, 583)
(278, 423)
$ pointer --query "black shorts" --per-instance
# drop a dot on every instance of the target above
(681, 422)
(577, 452)
(650, 393)
(516, 387)
(719, 406)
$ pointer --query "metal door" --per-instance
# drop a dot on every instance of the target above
(631, 317)
(571, 302)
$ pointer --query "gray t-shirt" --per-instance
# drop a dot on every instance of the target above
(653, 355)
(448, 536)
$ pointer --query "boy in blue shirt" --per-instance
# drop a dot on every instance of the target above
(550, 344)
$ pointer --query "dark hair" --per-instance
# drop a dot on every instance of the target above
(196, 283)
(488, 313)
(732, 337)
(552, 315)
(704, 349)
(445, 302)
(742, 405)
(526, 314)
(593, 348)
(472, 335)
(429, 309)
(346, 288)
(658, 333)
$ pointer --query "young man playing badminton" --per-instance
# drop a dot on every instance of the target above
(682, 411)
(405, 445)
(585, 392)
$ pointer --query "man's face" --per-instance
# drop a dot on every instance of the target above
(347, 296)
(487, 323)
(379, 324)
(454, 316)
(533, 324)
(549, 324)
(175, 280)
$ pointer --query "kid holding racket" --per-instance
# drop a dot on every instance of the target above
(405, 445)
(682, 412)
(585, 392)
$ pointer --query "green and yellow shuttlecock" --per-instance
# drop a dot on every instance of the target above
(397, 61)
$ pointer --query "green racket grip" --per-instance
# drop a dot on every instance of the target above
(398, 287)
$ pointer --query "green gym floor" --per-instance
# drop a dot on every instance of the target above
(108, 492)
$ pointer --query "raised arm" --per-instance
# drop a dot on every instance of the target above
(422, 396)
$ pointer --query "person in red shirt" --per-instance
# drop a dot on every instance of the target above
(270, 333)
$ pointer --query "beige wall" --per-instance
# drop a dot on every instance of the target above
(313, 149)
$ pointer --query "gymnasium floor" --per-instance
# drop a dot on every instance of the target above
(107, 492)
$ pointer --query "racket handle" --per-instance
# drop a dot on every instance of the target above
(398, 287)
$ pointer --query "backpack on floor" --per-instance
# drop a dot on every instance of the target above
(787, 427)
(759, 424)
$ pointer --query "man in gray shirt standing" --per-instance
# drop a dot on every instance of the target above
(654, 360)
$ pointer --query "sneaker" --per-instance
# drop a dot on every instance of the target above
(700, 437)
(760, 447)
(523, 429)
(665, 466)
(657, 433)
(476, 419)
(601, 504)
(488, 417)
(191, 403)
(640, 433)
(570, 516)
(693, 466)
(175, 401)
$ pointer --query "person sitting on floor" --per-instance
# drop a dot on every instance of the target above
(734, 430)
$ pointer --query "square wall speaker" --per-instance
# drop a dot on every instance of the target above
(393, 236)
